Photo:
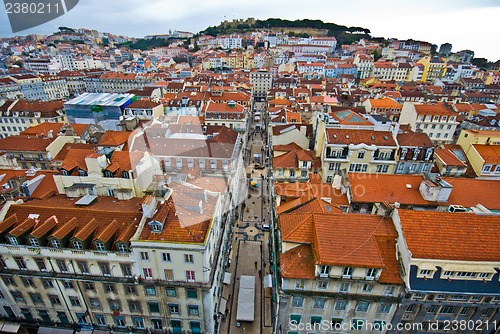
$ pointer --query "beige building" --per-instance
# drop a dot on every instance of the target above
(144, 110)
(124, 175)
(437, 120)
(359, 151)
(18, 115)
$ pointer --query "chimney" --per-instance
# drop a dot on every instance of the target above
(50, 134)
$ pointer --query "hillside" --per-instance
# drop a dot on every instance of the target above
(305, 27)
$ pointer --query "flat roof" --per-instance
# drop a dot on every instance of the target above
(103, 99)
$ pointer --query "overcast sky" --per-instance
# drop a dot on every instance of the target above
(467, 24)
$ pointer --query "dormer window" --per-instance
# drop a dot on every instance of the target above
(370, 274)
(77, 245)
(13, 241)
(126, 175)
(100, 246)
(82, 172)
(324, 271)
(107, 173)
(347, 272)
(64, 172)
(122, 248)
(156, 226)
(56, 243)
(34, 242)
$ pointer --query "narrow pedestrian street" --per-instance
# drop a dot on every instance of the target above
(250, 251)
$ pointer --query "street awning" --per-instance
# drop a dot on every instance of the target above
(268, 281)
(54, 330)
(227, 278)
(9, 328)
(222, 305)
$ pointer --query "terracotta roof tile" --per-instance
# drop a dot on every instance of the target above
(387, 249)
(108, 232)
(114, 138)
(298, 262)
(448, 157)
(368, 137)
(470, 192)
(451, 236)
(489, 153)
(335, 244)
(379, 188)
(45, 227)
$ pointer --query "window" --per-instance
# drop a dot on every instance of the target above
(126, 270)
(322, 285)
(347, 272)
(448, 310)
(410, 308)
(68, 284)
(56, 243)
(134, 306)
(484, 275)
(13, 241)
(77, 245)
(171, 292)
(295, 319)
(150, 291)
(109, 288)
(100, 319)
(154, 307)
(94, 303)
(424, 272)
(169, 274)
(191, 293)
(466, 274)
(157, 324)
(190, 275)
(62, 266)
(74, 301)
(89, 286)
(384, 308)
(99, 246)
(324, 270)
(299, 284)
(361, 154)
(389, 290)
(106, 271)
(297, 301)
(315, 320)
(47, 283)
(122, 248)
(54, 300)
(340, 304)
(20, 263)
(367, 287)
(193, 310)
(119, 321)
(465, 311)
(34, 242)
(138, 322)
(319, 303)
(188, 258)
(145, 256)
(344, 287)
(166, 257)
(148, 273)
(36, 298)
(173, 308)
(84, 269)
(362, 306)
(28, 282)
(370, 274)
(130, 289)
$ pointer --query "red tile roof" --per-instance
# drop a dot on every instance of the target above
(489, 153)
(448, 158)
(298, 263)
(114, 138)
(24, 144)
(368, 137)
(434, 109)
(451, 236)
(380, 188)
